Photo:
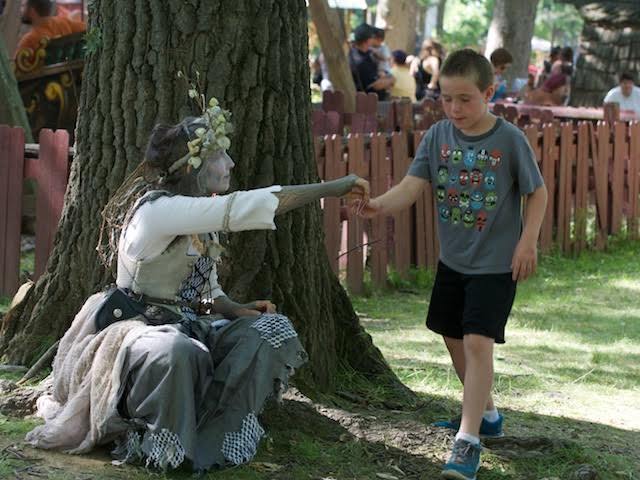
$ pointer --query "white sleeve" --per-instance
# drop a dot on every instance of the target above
(610, 96)
(156, 223)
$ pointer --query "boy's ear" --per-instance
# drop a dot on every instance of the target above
(488, 93)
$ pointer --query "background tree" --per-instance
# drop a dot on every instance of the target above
(512, 28)
(609, 45)
(334, 46)
(253, 57)
(400, 16)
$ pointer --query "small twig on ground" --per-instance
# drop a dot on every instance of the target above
(40, 364)
(584, 375)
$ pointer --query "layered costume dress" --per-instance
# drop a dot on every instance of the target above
(171, 385)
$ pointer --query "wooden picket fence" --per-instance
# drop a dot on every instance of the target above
(592, 173)
(47, 164)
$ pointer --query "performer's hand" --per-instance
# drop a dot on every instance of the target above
(360, 190)
(525, 260)
(264, 306)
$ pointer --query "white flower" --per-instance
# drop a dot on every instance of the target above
(213, 102)
(195, 162)
(193, 93)
(224, 143)
(200, 132)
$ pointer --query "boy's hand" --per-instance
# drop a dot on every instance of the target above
(525, 260)
(370, 209)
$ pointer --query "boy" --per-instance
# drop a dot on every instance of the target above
(480, 166)
(501, 59)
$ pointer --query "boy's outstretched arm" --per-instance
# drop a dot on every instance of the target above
(525, 257)
(398, 198)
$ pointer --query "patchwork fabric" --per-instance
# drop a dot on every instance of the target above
(192, 289)
(240, 447)
(163, 449)
(274, 328)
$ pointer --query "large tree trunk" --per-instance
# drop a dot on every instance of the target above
(512, 28)
(10, 22)
(610, 45)
(253, 57)
(333, 42)
(400, 17)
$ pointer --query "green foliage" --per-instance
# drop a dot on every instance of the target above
(559, 23)
(93, 41)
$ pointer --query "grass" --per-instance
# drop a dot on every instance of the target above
(568, 381)
(571, 363)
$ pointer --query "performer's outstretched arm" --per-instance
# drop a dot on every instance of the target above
(294, 196)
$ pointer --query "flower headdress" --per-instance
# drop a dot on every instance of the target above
(211, 136)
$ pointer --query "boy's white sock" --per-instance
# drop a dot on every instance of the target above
(491, 415)
(468, 437)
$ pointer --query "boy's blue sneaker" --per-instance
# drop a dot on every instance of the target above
(487, 429)
(464, 462)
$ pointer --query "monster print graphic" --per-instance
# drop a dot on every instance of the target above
(440, 194)
(456, 155)
(453, 178)
(490, 180)
(456, 215)
(452, 195)
(445, 153)
(469, 157)
(476, 177)
(495, 158)
(490, 200)
(445, 213)
(468, 218)
(464, 177)
(476, 199)
(464, 200)
(482, 158)
(481, 220)
(443, 174)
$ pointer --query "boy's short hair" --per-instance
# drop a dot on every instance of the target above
(626, 76)
(469, 64)
(501, 56)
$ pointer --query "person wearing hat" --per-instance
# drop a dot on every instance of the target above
(364, 67)
(405, 85)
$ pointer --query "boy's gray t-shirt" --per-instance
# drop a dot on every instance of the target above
(478, 183)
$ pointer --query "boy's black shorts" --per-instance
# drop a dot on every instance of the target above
(462, 304)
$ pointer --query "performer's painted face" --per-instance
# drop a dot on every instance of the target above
(215, 173)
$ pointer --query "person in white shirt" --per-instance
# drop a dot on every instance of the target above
(627, 95)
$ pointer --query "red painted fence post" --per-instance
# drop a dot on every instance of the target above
(11, 175)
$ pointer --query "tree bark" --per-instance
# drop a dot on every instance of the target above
(333, 42)
(400, 17)
(609, 45)
(442, 4)
(10, 21)
(253, 57)
(512, 28)
(12, 110)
